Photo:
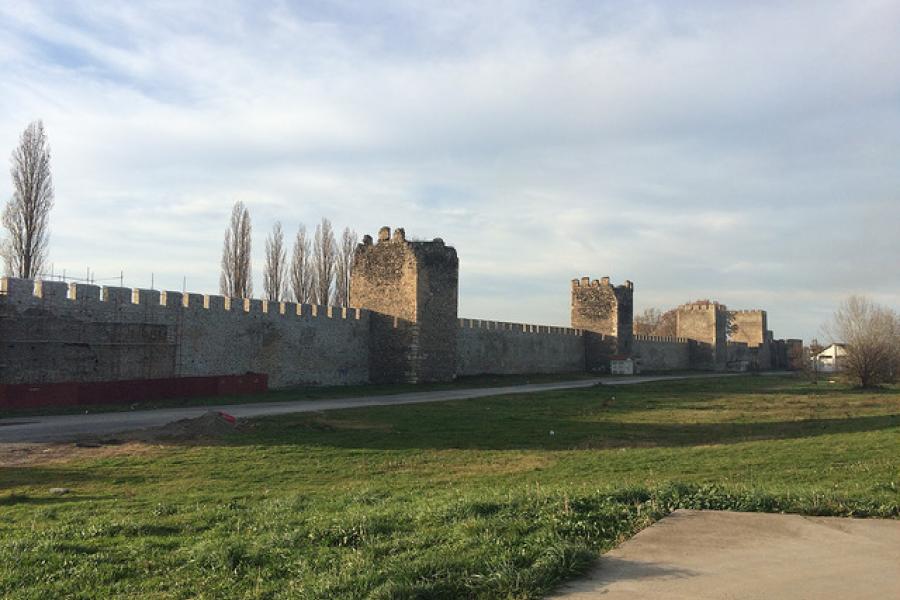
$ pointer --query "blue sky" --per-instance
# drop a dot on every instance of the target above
(746, 152)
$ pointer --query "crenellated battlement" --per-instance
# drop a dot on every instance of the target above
(660, 338)
(61, 294)
(398, 237)
(750, 311)
(703, 305)
(587, 282)
(517, 327)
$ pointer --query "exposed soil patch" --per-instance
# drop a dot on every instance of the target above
(322, 423)
(207, 427)
(26, 455)
(211, 425)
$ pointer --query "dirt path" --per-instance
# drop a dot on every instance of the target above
(61, 428)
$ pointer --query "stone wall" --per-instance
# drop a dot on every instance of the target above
(661, 353)
(741, 357)
(492, 347)
(53, 332)
(403, 327)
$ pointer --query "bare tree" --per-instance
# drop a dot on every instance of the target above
(731, 325)
(343, 264)
(324, 253)
(236, 279)
(871, 333)
(302, 273)
(653, 321)
(810, 364)
(275, 274)
(26, 216)
(646, 322)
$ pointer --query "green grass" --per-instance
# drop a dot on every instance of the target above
(464, 499)
(304, 393)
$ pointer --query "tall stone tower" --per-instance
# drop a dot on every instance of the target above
(605, 313)
(752, 328)
(706, 323)
(412, 289)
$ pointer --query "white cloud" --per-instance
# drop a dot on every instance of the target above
(745, 152)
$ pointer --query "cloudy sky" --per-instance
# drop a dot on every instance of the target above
(741, 151)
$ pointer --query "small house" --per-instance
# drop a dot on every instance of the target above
(621, 365)
(830, 360)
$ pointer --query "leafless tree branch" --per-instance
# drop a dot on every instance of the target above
(236, 279)
(302, 273)
(871, 333)
(275, 273)
(324, 252)
(342, 266)
(26, 216)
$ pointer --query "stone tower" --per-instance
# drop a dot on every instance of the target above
(605, 312)
(750, 327)
(704, 322)
(412, 289)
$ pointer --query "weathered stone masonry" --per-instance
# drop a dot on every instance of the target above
(51, 332)
(605, 313)
(411, 289)
(496, 347)
(403, 326)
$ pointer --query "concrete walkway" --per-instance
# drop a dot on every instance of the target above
(741, 556)
(62, 428)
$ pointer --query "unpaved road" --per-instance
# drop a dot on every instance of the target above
(65, 428)
(701, 555)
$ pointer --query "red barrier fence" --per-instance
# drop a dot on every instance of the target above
(128, 392)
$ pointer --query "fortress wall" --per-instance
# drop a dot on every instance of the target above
(495, 347)
(53, 332)
(741, 356)
(661, 353)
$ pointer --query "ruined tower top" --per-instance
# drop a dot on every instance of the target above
(410, 280)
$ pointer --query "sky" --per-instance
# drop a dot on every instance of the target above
(747, 152)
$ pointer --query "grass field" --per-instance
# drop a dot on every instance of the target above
(502, 497)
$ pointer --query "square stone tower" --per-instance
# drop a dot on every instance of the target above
(750, 327)
(412, 290)
(605, 312)
(704, 322)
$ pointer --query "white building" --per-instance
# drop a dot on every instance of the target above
(621, 365)
(829, 360)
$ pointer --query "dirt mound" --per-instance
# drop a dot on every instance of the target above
(210, 425)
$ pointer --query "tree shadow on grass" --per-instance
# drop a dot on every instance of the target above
(16, 499)
(49, 477)
(567, 434)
